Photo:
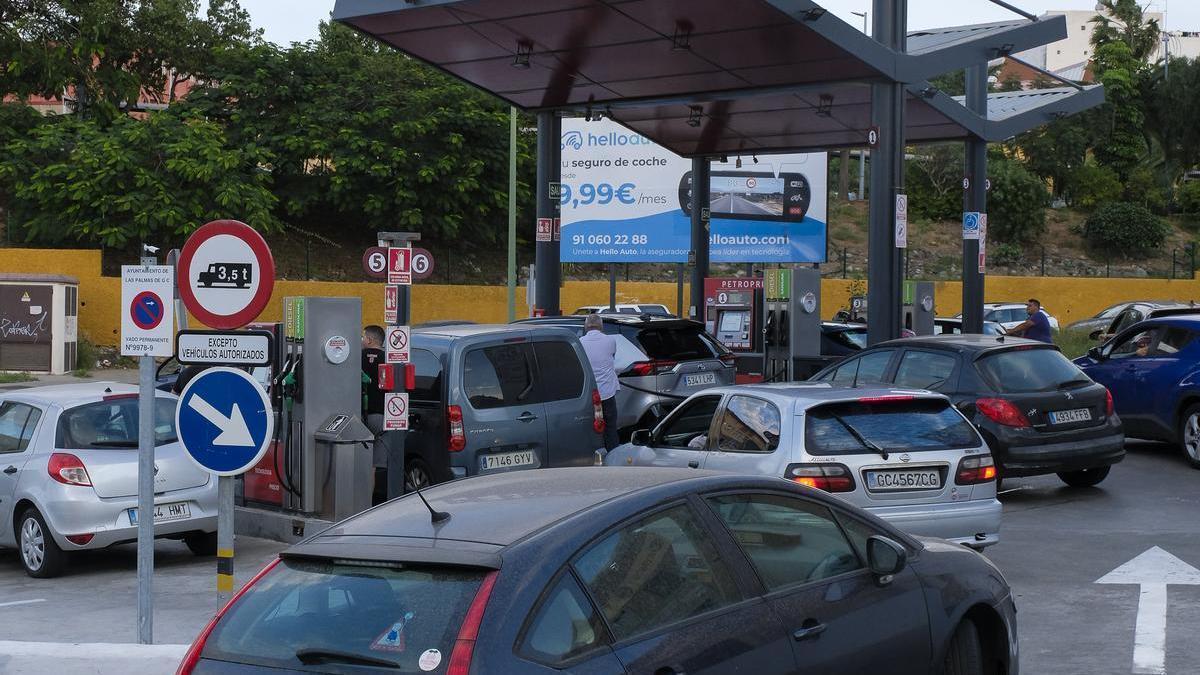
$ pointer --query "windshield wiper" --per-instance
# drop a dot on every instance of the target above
(1073, 384)
(312, 656)
(859, 437)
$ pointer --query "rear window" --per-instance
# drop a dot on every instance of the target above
(1028, 370)
(347, 618)
(562, 373)
(655, 310)
(113, 424)
(900, 426)
(498, 377)
(681, 342)
(428, 376)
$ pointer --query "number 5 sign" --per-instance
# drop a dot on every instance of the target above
(400, 266)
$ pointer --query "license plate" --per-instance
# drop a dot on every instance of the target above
(1069, 416)
(165, 512)
(506, 460)
(700, 379)
(913, 479)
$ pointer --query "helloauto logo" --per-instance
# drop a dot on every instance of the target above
(572, 139)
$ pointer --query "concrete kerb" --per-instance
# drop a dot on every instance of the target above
(35, 658)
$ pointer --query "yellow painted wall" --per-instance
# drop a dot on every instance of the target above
(1067, 298)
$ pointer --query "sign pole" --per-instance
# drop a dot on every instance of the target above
(145, 511)
(224, 537)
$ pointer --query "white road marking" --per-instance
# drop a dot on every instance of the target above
(1153, 570)
(21, 602)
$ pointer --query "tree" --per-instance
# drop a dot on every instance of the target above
(103, 54)
(1124, 143)
(1057, 150)
(1173, 106)
(1125, 229)
(75, 178)
(1124, 21)
(934, 181)
(1016, 203)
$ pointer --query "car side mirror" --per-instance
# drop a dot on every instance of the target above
(885, 558)
(1096, 353)
(1095, 335)
(640, 437)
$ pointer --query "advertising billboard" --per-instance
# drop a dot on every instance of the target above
(626, 199)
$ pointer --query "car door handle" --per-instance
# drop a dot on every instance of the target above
(810, 629)
(10, 470)
(694, 464)
(527, 417)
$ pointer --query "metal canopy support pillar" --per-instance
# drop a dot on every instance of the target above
(549, 126)
(700, 221)
(884, 283)
(974, 199)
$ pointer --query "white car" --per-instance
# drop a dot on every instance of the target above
(1010, 314)
(68, 475)
(652, 309)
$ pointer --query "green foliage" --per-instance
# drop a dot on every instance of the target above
(1189, 197)
(86, 356)
(1124, 228)
(1016, 203)
(933, 180)
(129, 180)
(1056, 151)
(1142, 187)
(1123, 115)
(1005, 253)
(10, 378)
(1091, 185)
(1124, 21)
(1173, 108)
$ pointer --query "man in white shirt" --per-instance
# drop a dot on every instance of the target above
(601, 351)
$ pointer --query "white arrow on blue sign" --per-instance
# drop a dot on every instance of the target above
(224, 421)
(970, 225)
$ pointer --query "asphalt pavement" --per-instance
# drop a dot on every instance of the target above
(1057, 542)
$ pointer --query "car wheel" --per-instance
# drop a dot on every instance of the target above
(965, 655)
(202, 545)
(40, 555)
(1084, 477)
(1189, 435)
(416, 474)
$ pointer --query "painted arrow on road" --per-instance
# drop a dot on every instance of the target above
(1153, 571)
(234, 430)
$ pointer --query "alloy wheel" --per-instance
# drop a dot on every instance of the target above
(33, 544)
(416, 478)
(1191, 436)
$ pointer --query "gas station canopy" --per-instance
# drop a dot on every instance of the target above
(550, 54)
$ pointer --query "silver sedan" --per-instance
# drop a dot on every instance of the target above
(68, 475)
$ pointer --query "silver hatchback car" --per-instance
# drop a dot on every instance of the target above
(68, 475)
(906, 456)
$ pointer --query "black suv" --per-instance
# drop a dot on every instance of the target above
(1038, 412)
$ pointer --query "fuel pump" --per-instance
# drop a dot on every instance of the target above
(791, 324)
(733, 316)
(919, 307)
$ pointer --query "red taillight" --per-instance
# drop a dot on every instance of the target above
(1108, 402)
(827, 477)
(643, 368)
(887, 399)
(458, 437)
(464, 646)
(972, 470)
(597, 412)
(193, 653)
(68, 470)
(1002, 412)
(80, 539)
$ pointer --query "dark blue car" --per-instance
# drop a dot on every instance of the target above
(1153, 371)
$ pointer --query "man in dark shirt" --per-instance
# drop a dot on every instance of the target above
(372, 356)
(1037, 326)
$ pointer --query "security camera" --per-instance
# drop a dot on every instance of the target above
(147, 248)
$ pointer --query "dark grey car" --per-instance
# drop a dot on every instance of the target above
(498, 398)
(626, 570)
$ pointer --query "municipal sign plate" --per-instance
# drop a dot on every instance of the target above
(226, 274)
(228, 348)
(396, 344)
(224, 421)
(395, 412)
(147, 316)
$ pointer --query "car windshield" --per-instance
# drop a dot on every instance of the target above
(336, 613)
(1029, 370)
(113, 423)
(678, 342)
(899, 425)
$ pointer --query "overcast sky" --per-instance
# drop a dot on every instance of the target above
(296, 20)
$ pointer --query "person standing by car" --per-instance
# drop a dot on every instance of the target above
(601, 349)
(1037, 326)
(372, 356)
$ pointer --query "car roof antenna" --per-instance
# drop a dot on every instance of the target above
(435, 517)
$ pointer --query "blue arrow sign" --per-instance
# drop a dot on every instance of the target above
(224, 421)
